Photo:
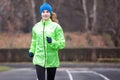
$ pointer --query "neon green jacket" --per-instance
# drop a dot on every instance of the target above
(46, 54)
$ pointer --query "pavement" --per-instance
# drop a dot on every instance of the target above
(67, 71)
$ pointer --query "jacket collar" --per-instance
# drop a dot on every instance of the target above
(46, 22)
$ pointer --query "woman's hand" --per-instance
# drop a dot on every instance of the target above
(49, 39)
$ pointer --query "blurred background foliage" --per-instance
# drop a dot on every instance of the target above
(86, 23)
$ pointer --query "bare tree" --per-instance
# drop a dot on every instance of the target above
(33, 11)
(94, 16)
(116, 27)
(90, 18)
(86, 14)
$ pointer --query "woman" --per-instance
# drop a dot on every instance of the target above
(47, 39)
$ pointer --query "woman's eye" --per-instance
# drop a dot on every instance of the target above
(43, 11)
(47, 11)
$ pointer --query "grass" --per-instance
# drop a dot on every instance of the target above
(73, 40)
(4, 68)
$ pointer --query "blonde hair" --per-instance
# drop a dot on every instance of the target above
(54, 17)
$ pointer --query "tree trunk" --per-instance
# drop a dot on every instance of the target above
(33, 11)
(94, 16)
(86, 15)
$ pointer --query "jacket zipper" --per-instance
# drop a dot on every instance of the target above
(44, 43)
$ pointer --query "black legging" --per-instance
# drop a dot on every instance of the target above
(41, 73)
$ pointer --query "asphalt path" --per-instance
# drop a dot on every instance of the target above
(65, 72)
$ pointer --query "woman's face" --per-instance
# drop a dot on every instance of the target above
(45, 15)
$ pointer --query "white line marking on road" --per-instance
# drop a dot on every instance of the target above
(69, 74)
(101, 75)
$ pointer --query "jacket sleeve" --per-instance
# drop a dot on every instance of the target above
(58, 42)
(33, 43)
